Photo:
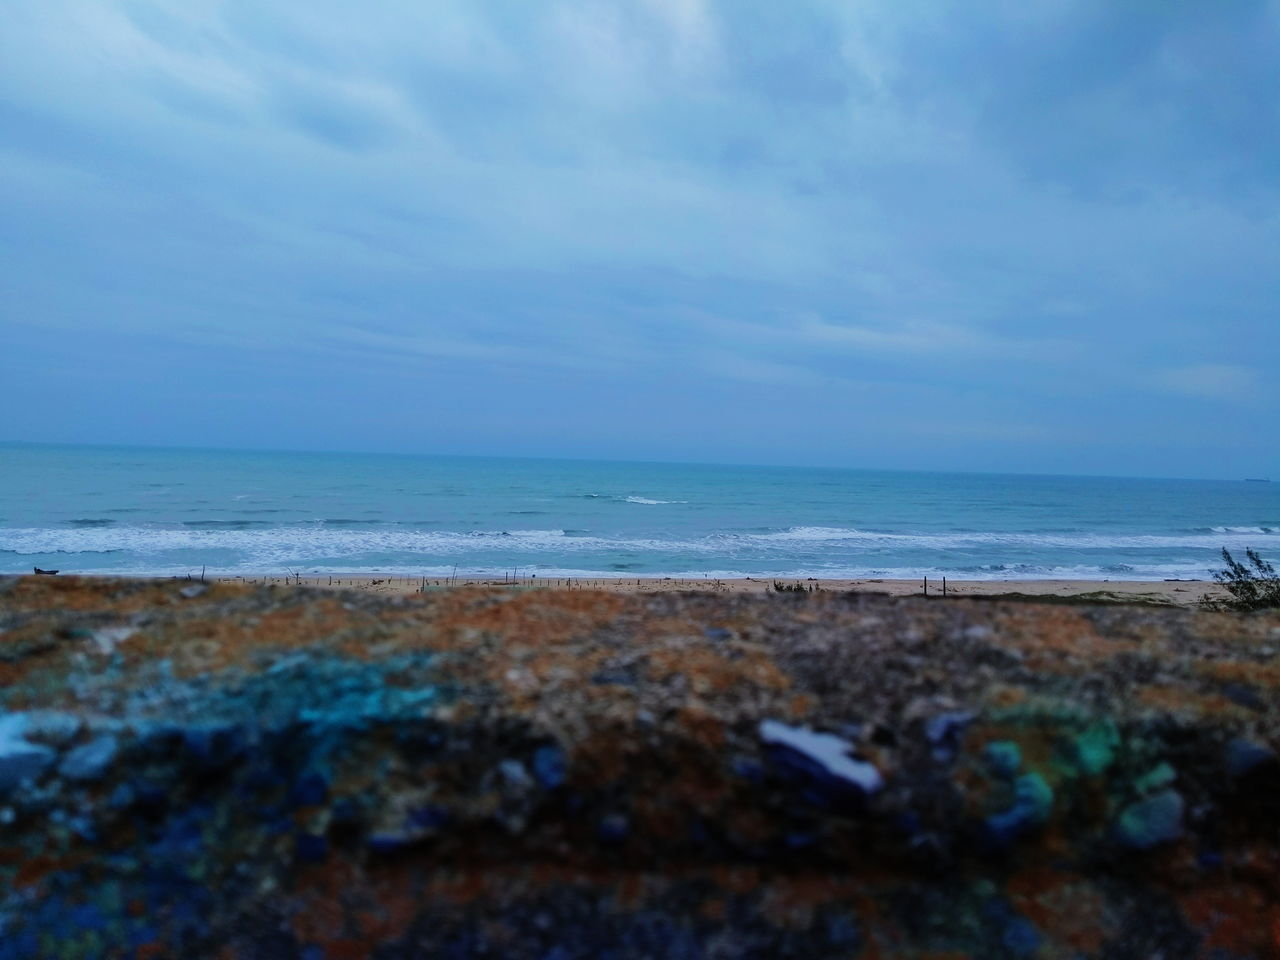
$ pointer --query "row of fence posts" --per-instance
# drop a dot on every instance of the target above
(513, 579)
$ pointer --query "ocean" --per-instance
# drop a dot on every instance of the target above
(82, 509)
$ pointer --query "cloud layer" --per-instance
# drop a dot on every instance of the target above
(1013, 236)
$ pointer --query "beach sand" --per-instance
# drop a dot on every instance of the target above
(1183, 592)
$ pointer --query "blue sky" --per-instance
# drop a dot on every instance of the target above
(894, 233)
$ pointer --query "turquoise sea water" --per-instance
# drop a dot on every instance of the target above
(134, 510)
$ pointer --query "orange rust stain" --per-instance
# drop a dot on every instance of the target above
(702, 725)
(83, 594)
(199, 645)
(1065, 908)
(801, 705)
(1035, 742)
(601, 756)
(710, 672)
(1233, 671)
(1052, 638)
(554, 615)
(346, 949)
(1236, 919)
(1183, 700)
(1003, 696)
(1231, 629)
(35, 870)
(668, 628)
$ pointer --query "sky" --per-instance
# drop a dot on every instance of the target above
(1033, 237)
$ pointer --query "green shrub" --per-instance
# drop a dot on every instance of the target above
(1252, 587)
(790, 587)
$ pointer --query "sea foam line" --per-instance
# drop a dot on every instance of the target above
(329, 541)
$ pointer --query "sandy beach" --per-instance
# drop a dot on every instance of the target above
(1167, 591)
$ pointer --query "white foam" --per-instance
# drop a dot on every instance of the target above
(818, 534)
(652, 502)
(319, 540)
(827, 750)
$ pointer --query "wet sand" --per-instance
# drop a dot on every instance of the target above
(1163, 591)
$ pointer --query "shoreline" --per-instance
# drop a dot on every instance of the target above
(1181, 592)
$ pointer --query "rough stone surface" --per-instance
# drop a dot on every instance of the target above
(486, 773)
(89, 761)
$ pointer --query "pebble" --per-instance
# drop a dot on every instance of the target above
(1003, 757)
(1242, 757)
(1095, 748)
(90, 761)
(515, 774)
(943, 730)
(1032, 804)
(1151, 822)
(20, 761)
(1156, 779)
(52, 726)
(549, 766)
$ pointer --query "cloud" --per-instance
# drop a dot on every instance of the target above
(1113, 100)
(1209, 380)
(989, 207)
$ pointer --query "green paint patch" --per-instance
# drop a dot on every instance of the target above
(1094, 750)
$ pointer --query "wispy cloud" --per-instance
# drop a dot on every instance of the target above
(1218, 381)
(652, 199)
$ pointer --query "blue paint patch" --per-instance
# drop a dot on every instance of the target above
(1151, 822)
(549, 766)
(1242, 757)
(1032, 804)
(1003, 758)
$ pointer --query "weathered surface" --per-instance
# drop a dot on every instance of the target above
(189, 771)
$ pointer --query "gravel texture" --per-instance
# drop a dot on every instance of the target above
(265, 772)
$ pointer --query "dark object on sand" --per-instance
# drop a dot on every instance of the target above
(47, 573)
